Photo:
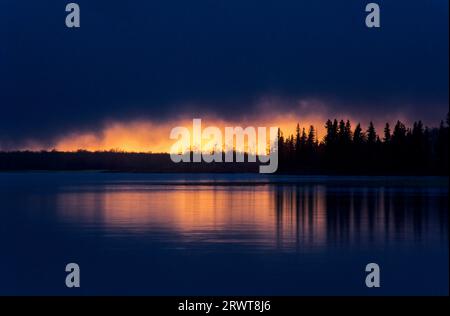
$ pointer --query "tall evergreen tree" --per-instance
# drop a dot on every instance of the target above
(297, 139)
(335, 130)
(341, 132)
(348, 132)
(358, 135)
(329, 133)
(387, 133)
(311, 136)
(399, 134)
(303, 138)
(371, 134)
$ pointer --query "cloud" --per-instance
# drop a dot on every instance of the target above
(162, 60)
(139, 134)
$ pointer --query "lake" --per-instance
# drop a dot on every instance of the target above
(222, 234)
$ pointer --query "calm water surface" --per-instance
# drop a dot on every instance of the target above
(206, 234)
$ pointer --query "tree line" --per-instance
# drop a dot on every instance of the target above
(396, 149)
(414, 150)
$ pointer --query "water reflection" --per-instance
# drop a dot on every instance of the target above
(285, 217)
(353, 216)
(221, 235)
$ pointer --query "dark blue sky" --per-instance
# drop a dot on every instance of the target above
(160, 58)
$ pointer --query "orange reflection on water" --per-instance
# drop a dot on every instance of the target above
(214, 214)
(283, 217)
(193, 211)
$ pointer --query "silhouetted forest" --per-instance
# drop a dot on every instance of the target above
(402, 150)
(344, 149)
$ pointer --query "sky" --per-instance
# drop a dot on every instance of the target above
(135, 69)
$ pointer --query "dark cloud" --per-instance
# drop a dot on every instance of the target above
(157, 59)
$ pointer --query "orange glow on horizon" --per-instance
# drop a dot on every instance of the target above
(148, 136)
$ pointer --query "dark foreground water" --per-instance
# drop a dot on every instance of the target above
(222, 234)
